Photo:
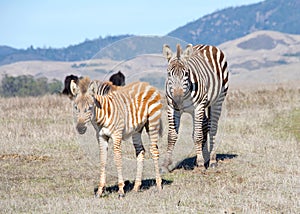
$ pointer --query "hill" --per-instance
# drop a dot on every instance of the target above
(235, 22)
(215, 28)
(82, 51)
(264, 57)
(258, 58)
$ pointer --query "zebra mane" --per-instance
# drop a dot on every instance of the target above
(84, 84)
(105, 87)
(178, 51)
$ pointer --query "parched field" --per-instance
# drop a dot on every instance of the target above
(46, 169)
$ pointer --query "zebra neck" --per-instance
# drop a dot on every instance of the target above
(104, 113)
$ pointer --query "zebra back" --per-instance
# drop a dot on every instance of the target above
(128, 108)
(217, 60)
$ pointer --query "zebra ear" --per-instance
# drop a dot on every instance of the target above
(167, 52)
(73, 88)
(92, 91)
(93, 87)
(188, 51)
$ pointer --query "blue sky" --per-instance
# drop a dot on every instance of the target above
(60, 23)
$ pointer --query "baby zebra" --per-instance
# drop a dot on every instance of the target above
(119, 113)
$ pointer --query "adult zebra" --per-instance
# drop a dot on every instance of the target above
(197, 83)
(119, 113)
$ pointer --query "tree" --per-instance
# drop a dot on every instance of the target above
(26, 85)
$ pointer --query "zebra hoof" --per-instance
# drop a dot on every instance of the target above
(98, 195)
(213, 165)
(159, 188)
(121, 196)
(102, 195)
(200, 165)
(137, 188)
(206, 164)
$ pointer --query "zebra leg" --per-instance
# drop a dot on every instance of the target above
(140, 154)
(103, 146)
(154, 134)
(198, 136)
(215, 112)
(154, 128)
(205, 129)
(174, 123)
(118, 163)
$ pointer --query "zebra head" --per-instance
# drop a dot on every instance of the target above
(83, 103)
(178, 82)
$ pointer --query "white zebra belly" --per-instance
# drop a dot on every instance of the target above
(127, 133)
(188, 106)
(105, 131)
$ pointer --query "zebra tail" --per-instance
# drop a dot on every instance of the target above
(160, 128)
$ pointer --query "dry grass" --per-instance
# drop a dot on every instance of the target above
(45, 167)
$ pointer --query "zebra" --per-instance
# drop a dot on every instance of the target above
(120, 112)
(197, 83)
(117, 79)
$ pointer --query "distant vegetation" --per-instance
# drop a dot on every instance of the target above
(27, 85)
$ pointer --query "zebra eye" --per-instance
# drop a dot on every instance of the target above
(87, 108)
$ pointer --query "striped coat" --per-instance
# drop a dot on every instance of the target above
(197, 83)
(119, 113)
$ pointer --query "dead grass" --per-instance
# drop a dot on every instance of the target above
(47, 168)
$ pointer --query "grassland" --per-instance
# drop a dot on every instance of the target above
(47, 168)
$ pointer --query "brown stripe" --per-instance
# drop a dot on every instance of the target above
(157, 108)
(145, 102)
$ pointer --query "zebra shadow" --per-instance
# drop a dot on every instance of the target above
(146, 184)
(190, 163)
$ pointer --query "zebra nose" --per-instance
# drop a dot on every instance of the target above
(178, 100)
(178, 91)
(81, 128)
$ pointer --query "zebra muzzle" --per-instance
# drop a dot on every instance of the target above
(81, 128)
(177, 102)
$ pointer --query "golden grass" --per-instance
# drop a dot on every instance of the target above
(47, 168)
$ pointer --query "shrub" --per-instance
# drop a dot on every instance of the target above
(27, 85)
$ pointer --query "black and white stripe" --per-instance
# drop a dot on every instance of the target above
(197, 83)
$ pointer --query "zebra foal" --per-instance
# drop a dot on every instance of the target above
(197, 83)
(119, 113)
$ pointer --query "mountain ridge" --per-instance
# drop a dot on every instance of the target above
(234, 22)
(276, 61)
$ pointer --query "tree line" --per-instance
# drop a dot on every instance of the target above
(27, 85)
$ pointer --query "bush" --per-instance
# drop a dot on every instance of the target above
(27, 85)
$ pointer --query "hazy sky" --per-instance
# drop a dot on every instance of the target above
(60, 23)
